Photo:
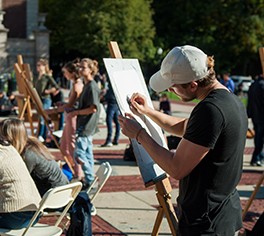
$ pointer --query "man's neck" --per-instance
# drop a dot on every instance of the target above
(203, 92)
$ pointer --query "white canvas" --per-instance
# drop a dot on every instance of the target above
(126, 78)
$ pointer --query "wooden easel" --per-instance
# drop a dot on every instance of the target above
(30, 93)
(163, 187)
(252, 196)
(23, 98)
(261, 179)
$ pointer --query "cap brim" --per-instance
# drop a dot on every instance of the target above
(158, 83)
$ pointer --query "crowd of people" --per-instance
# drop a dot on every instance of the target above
(207, 162)
(30, 154)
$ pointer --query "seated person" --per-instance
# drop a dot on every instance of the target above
(43, 168)
(13, 101)
(19, 196)
(6, 107)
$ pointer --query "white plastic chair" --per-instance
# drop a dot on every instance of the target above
(58, 197)
(101, 176)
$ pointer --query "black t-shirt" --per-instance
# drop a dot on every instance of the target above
(87, 124)
(208, 200)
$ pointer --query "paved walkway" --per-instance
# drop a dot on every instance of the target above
(126, 207)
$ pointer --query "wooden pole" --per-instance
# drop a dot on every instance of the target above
(26, 106)
(252, 197)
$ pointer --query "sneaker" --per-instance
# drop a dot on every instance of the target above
(107, 145)
(257, 163)
(93, 211)
(41, 139)
(115, 143)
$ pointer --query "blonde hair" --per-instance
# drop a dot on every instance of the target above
(92, 65)
(210, 77)
(14, 131)
(45, 63)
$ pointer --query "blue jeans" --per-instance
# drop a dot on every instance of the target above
(258, 142)
(61, 121)
(16, 220)
(42, 126)
(83, 154)
(112, 113)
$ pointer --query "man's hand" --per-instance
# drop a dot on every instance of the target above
(129, 125)
(139, 104)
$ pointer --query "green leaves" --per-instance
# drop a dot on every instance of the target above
(86, 27)
(231, 30)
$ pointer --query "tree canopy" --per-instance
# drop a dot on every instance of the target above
(231, 30)
(84, 28)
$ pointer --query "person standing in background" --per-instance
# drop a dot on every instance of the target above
(228, 82)
(71, 71)
(164, 105)
(255, 110)
(45, 86)
(112, 113)
(87, 120)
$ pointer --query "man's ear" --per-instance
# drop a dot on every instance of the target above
(193, 85)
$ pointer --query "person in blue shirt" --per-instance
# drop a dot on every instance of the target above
(228, 82)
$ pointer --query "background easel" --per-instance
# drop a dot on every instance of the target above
(162, 186)
(23, 98)
(29, 93)
(261, 179)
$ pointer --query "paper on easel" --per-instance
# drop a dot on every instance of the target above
(126, 78)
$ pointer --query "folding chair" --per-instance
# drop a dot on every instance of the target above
(58, 197)
(101, 176)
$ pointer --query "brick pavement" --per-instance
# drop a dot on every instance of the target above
(119, 183)
(134, 183)
(249, 177)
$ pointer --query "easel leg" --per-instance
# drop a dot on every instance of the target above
(158, 221)
(253, 196)
(29, 113)
(21, 115)
(163, 189)
(27, 106)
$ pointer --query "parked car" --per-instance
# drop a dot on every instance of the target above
(242, 83)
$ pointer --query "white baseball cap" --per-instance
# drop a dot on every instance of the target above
(181, 66)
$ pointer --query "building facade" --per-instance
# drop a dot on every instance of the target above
(22, 32)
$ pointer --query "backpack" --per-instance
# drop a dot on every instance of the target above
(80, 213)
